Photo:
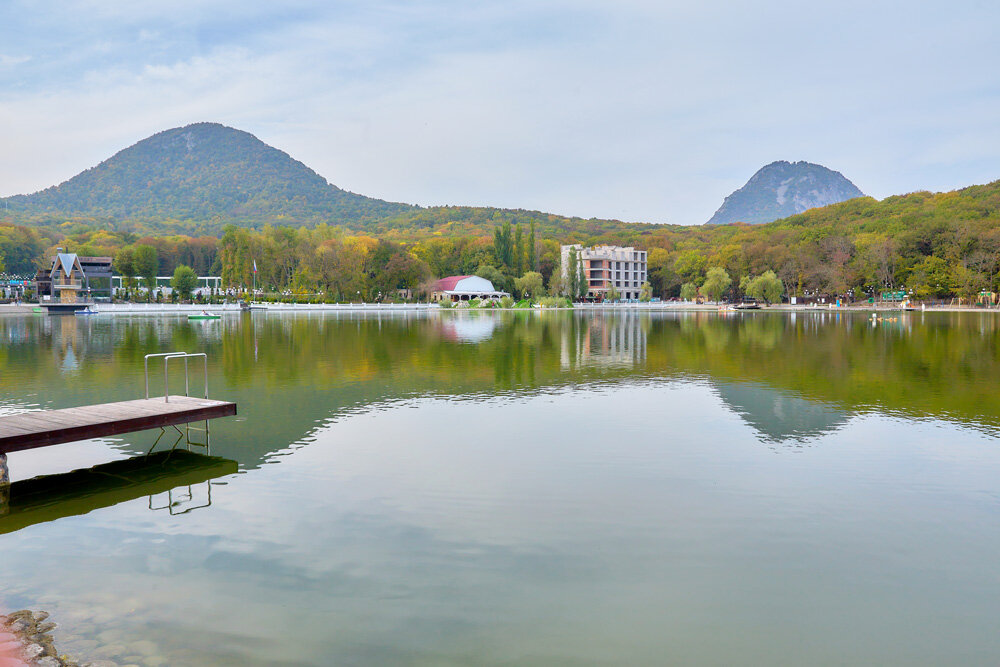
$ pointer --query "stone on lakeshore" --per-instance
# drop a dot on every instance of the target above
(32, 651)
(100, 663)
(41, 616)
(46, 627)
(21, 623)
(49, 661)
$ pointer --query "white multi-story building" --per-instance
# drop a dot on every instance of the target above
(605, 266)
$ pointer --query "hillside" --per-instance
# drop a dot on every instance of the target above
(203, 172)
(197, 179)
(782, 189)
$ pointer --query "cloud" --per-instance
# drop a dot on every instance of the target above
(641, 111)
(11, 61)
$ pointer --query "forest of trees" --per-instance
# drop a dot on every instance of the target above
(934, 245)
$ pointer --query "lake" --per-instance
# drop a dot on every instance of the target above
(519, 488)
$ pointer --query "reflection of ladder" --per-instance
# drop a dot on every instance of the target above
(181, 496)
(186, 434)
(178, 498)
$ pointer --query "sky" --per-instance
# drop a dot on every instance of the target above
(632, 110)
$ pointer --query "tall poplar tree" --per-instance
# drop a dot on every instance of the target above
(532, 263)
(518, 250)
(572, 274)
(503, 245)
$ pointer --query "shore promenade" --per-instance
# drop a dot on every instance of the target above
(668, 306)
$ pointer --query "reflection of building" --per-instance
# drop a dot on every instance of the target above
(604, 267)
(463, 329)
(464, 288)
(70, 273)
(616, 339)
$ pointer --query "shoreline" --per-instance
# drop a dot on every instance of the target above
(183, 309)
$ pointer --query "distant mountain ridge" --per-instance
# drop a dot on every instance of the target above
(206, 171)
(782, 189)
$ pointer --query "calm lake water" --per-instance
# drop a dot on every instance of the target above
(520, 489)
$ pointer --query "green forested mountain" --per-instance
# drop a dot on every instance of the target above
(198, 179)
(182, 190)
(781, 189)
(203, 173)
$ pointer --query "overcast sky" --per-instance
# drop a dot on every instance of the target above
(642, 111)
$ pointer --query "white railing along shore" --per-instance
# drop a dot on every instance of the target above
(152, 308)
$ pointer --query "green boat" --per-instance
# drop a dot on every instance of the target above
(204, 316)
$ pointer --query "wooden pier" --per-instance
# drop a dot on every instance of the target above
(52, 427)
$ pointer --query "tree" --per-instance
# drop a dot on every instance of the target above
(717, 281)
(184, 281)
(146, 265)
(22, 249)
(519, 251)
(571, 273)
(503, 245)
(690, 265)
(576, 283)
(530, 285)
(689, 291)
(646, 292)
(532, 263)
(931, 277)
(404, 271)
(494, 275)
(612, 294)
(124, 263)
(765, 287)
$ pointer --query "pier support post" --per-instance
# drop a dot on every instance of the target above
(4, 485)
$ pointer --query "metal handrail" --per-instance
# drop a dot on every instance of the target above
(185, 356)
(158, 354)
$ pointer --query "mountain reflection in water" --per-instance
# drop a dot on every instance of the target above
(789, 376)
(605, 488)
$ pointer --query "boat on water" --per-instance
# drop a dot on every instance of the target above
(747, 304)
(204, 315)
(87, 311)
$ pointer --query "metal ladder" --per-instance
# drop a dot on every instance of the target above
(186, 433)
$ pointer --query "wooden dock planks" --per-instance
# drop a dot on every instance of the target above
(53, 427)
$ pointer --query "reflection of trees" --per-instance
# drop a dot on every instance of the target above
(304, 368)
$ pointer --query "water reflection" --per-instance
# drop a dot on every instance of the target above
(177, 475)
(614, 339)
(789, 376)
(468, 327)
(603, 487)
(779, 417)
